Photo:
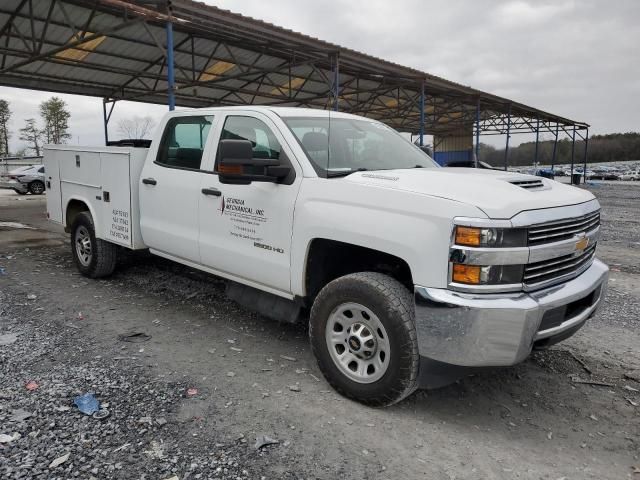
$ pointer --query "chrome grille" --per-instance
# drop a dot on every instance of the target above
(563, 229)
(558, 268)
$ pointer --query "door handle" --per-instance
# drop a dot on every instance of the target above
(212, 191)
(149, 181)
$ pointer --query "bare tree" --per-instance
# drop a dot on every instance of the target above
(136, 127)
(5, 115)
(32, 135)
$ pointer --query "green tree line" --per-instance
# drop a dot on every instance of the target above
(612, 147)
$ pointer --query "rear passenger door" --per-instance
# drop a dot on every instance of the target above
(170, 188)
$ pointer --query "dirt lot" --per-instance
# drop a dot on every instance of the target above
(533, 421)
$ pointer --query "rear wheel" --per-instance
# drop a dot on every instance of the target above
(36, 187)
(363, 335)
(93, 257)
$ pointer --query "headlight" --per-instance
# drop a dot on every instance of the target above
(487, 275)
(490, 237)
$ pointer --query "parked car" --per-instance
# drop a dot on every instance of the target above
(408, 274)
(23, 180)
(546, 173)
(631, 175)
(604, 174)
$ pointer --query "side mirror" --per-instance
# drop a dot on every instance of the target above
(236, 164)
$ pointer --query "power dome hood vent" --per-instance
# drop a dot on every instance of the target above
(528, 184)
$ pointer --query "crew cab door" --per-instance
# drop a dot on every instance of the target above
(170, 187)
(245, 230)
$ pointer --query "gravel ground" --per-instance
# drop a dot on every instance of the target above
(139, 439)
(538, 420)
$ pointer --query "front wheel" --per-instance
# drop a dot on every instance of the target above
(363, 334)
(93, 257)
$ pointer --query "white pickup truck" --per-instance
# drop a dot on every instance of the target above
(408, 274)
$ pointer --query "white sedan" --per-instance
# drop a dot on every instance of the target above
(23, 180)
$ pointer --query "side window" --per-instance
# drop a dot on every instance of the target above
(183, 141)
(41, 170)
(256, 131)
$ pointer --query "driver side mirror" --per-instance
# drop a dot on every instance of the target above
(236, 164)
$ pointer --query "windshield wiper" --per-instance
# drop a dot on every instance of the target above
(344, 173)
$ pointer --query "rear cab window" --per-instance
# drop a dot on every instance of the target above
(183, 142)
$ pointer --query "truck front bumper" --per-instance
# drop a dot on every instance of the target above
(482, 330)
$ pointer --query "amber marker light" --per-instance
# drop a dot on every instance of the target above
(468, 236)
(230, 169)
(469, 274)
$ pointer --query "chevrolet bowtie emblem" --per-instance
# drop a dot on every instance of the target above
(582, 244)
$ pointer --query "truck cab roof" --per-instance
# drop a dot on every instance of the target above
(280, 111)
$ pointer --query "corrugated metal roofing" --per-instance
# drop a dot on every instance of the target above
(115, 49)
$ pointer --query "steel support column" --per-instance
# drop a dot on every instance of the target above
(106, 117)
(573, 151)
(171, 79)
(586, 146)
(506, 150)
(555, 148)
(535, 157)
(477, 133)
(422, 114)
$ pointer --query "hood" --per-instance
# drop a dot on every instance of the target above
(498, 194)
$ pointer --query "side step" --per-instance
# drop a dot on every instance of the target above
(266, 304)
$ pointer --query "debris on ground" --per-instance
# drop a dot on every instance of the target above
(191, 392)
(577, 379)
(263, 441)
(4, 438)
(285, 357)
(20, 415)
(31, 296)
(135, 337)
(294, 388)
(59, 461)
(31, 385)
(633, 375)
(101, 414)
(87, 403)
(8, 338)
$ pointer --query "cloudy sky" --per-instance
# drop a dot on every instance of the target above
(576, 58)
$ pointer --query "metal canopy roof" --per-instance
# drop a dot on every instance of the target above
(116, 49)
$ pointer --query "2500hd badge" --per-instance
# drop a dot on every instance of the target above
(268, 247)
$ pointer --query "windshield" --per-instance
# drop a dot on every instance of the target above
(354, 145)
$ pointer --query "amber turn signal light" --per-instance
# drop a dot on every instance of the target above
(469, 274)
(468, 236)
(230, 169)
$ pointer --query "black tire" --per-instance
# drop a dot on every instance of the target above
(102, 260)
(392, 303)
(36, 187)
(19, 192)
